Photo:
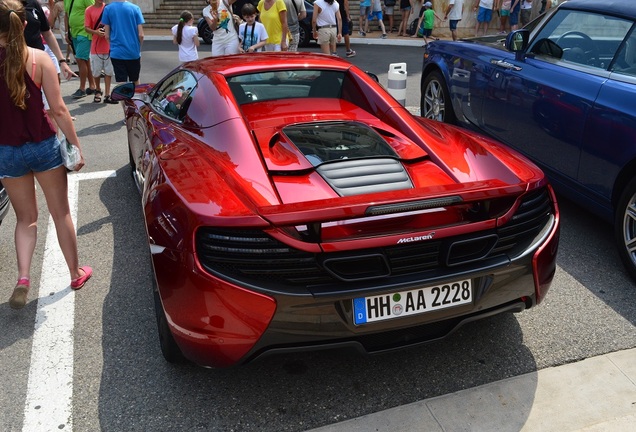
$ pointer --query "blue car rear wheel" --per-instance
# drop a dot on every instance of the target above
(625, 227)
(436, 103)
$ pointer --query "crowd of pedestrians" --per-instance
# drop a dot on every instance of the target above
(281, 21)
(103, 41)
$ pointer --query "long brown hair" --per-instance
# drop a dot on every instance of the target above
(185, 18)
(12, 18)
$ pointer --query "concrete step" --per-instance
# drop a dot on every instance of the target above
(167, 14)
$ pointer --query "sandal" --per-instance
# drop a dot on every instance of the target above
(81, 281)
(108, 100)
(19, 297)
(98, 96)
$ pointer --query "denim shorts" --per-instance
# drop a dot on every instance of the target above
(484, 15)
(37, 157)
(514, 17)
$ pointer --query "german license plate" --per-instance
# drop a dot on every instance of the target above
(417, 301)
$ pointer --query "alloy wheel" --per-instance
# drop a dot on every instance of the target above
(434, 103)
(629, 229)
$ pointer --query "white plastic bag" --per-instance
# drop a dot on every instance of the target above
(70, 153)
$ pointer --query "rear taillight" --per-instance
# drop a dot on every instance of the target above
(544, 259)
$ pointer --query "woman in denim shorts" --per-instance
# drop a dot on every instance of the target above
(30, 150)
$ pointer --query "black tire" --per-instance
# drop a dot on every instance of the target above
(436, 103)
(204, 31)
(304, 37)
(169, 348)
(625, 227)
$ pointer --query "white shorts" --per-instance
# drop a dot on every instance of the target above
(101, 62)
(272, 47)
(219, 49)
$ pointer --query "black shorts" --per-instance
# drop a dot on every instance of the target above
(126, 70)
(347, 27)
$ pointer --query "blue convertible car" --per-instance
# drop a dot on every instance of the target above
(562, 91)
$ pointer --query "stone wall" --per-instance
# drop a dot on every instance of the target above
(147, 5)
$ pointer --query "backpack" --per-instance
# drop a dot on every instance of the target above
(412, 28)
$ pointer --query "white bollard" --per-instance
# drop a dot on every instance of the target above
(396, 83)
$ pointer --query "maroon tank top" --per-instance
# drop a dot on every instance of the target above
(21, 126)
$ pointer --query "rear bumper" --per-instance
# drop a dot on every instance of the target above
(218, 323)
(307, 324)
(398, 339)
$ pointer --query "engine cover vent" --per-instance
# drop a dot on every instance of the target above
(360, 176)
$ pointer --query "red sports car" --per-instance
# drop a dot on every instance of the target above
(291, 204)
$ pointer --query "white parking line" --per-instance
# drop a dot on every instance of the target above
(49, 399)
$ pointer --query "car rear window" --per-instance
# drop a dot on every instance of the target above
(273, 85)
(330, 141)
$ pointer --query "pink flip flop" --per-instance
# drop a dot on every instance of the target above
(80, 281)
(19, 297)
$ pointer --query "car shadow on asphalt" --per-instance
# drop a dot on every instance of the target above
(587, 252)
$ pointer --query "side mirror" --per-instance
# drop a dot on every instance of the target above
(517, 42)
(373, 76)
(123, 92)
